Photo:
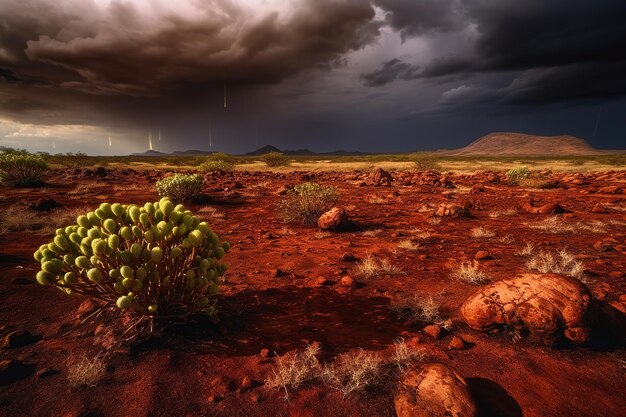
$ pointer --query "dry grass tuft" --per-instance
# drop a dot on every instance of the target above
(352, 372)
(374, 267)
(481, 233)
(405, 355)
(85, 371)
(416, 308)
(554, 224)
(294, 369)
(434, 221)
(527, 250)
(408, 245)
(469, 272)
(563, 263)
(372, 233)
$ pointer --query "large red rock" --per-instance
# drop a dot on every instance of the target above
(433, 390)
(334, 219)
(547, 306)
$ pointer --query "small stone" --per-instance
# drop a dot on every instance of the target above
(322, 282)
(264, 353)
(44, 204)
(246, 382)
(616, 274)
(214, 398)
(86, 307)
(348, 282)
(482, 255)
(432, 330)
(348, 257)
(45, 373)
(456, 343)
(277, 273)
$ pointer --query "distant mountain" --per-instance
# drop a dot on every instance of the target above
(150, 153)
(507, 143)
(264, 149)
(302, 152)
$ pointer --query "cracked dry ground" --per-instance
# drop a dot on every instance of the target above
(274, 298)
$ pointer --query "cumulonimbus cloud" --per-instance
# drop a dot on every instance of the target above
(137, 49)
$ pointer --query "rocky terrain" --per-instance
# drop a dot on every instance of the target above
(506, 339)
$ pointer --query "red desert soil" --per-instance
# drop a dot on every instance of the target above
(284, 310)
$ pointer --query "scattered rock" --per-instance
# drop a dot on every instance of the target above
(550, 208)
(20, 338)
(348, 282)
(12, 371)
(246, 382)
(482, 255)
(612, 189)
(381, 177)
(433, 390)
(348, 257)
(456, 343)
(548, 306)
(433, 330)
(85, 308)
(323, 282)
(44, 204)
(334, 219)
(477, 188)
(264, 353)
(101, 172)
(45, 373)
(454, 210)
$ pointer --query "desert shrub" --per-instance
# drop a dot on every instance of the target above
(217, 166)
(274, 159)
(562, 263)
(85, 371)
(352, 372)
(470, 272)
(156, 262)
(21, 169)
(515, 175)
(415, 308)
(221, 156)
(372, 266)
(180, 187)
(306, 202)
(294, 369)
(425, 162)
(71, 160)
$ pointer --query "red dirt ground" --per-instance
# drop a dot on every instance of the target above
(285, 311)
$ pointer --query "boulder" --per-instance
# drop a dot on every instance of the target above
(454, 210)
(334, 219)
(433, 390)
(381, 177)
(547, 307)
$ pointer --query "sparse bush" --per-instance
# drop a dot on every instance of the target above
(294, 369)
(352, 372)
(153, 262)
(415, 308)
(306, 202)
(470, 273)
(535, 183)
(217, 166)
(373, 267)
(71, 160)
(180, 187)
(425, 162)
(404, 355)
(21, 169)
(85, 371)
(221, 156)
(515, 175)
(563, 263)
(274, 159)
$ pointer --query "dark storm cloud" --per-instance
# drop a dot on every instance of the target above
(417, 17)
(560, 49)
(391, 70)
(116, 51)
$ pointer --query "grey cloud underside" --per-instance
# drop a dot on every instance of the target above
(556, 51)
(104, 54)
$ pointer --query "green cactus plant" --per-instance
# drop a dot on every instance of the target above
(180, 188)
(157, 261)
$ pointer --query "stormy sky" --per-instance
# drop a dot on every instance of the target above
(379, 76)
